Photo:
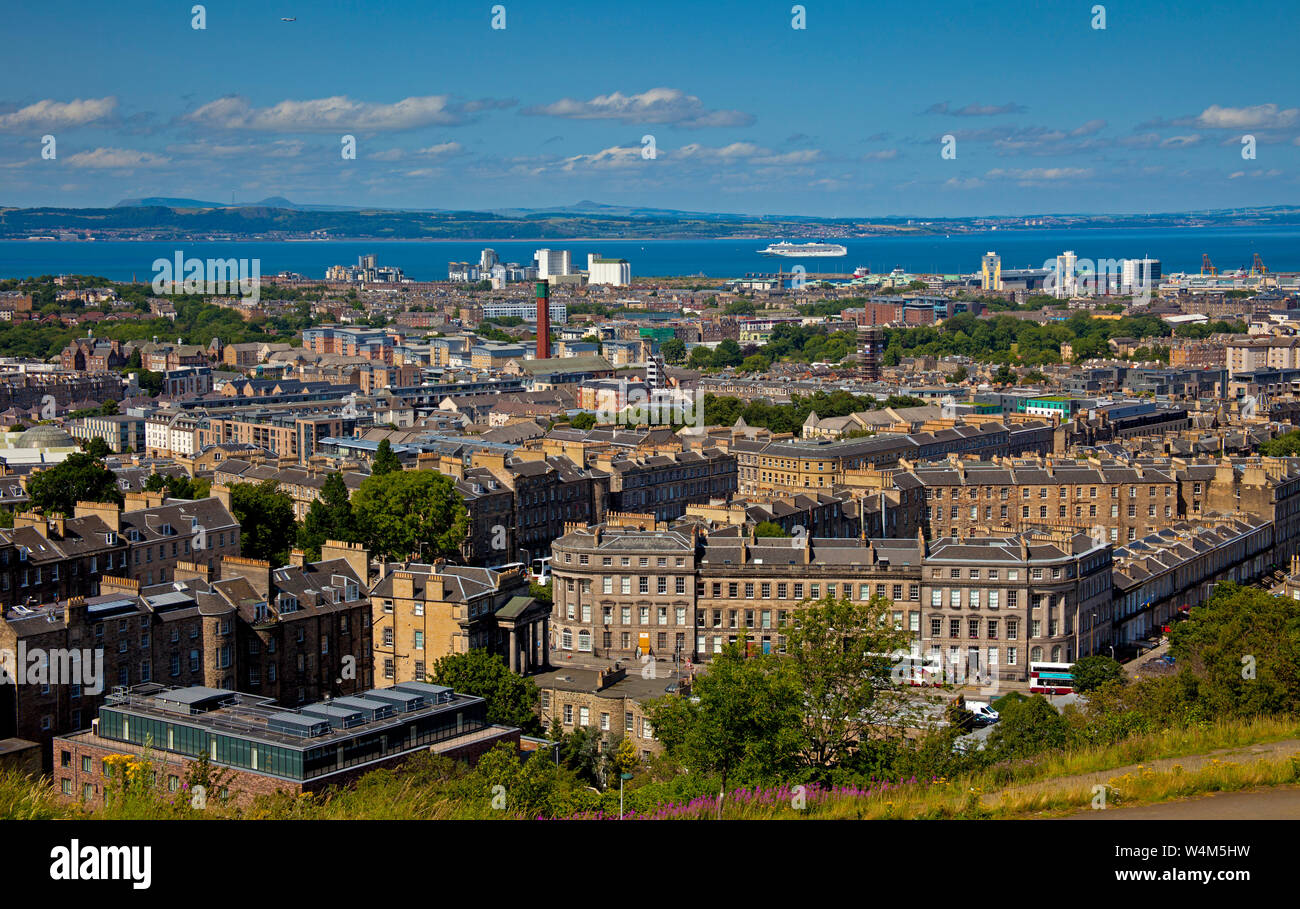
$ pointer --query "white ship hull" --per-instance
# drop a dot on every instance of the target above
(805, 250)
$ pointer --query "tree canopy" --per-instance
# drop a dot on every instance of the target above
(410, 514)
(511, 699)
(266, 523)
(78, 478)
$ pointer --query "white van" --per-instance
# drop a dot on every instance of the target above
(984, 714)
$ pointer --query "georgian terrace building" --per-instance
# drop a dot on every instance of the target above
(1113, 502)
(625, 592)
(993, 605)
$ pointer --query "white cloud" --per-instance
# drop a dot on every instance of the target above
(887, 154)
(442, 150)
(330, 114)
(1258, 116)
(49, 114)
(116, 159)
(975, 110)
(658, 105)
(1039, 174)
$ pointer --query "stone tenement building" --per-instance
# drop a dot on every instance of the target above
(46, 559)
(1111, 502)
(992, 604)
(262, 747)
(611, 700)
(423, 612)
(790, 466)
(1114, 501)
(294, 634)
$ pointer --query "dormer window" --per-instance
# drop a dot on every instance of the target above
(110, 538)
(287, 603)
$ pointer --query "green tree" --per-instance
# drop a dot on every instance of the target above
(1091, 672)
(1243, 646)
(108, 408)
(410, 514)
(330, 517)
(78, 478)
(583, 421)
(97, 448)
(701, 358)
(727, 353)
(769, 529)
(744, 719)
(840, 652)
(673, 351)
(580, 752)
(266, 524)
(511, 699)
(385, 460)
(506, 785)
(1028, 728)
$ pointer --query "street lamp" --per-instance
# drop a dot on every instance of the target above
(621, 778)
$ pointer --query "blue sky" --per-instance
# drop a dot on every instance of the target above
(842, 118)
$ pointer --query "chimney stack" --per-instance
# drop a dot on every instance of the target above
(543, 295)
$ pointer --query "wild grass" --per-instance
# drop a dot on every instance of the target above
(1047, 785)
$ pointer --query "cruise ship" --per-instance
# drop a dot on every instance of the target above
(812, 250)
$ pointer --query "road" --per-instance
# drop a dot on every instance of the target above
(1279, 803)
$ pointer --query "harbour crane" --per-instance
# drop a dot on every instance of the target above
(1207, 267)
(1257, 267)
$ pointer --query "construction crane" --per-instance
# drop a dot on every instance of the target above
(1207, 267)
(1258, 267)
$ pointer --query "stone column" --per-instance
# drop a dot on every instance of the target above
(514, 652)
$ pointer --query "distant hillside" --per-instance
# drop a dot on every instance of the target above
(179, 219)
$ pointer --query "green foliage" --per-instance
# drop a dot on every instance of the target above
(97, 448)
(179, 486)
(410, 514)
(1006, 339)
(1091, 672)
(743, 719)
(1286, 445)
(1244, 648)
(79, 478)
(385, 460)
(330, 517)
(724, 411)
(1027, 729)
(266, 523)
(809, 344)
(769, 529)
(673, 351)
(839, 652)
(583, 421)
(511, 699)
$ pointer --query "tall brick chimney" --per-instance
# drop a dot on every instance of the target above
(543, 295)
